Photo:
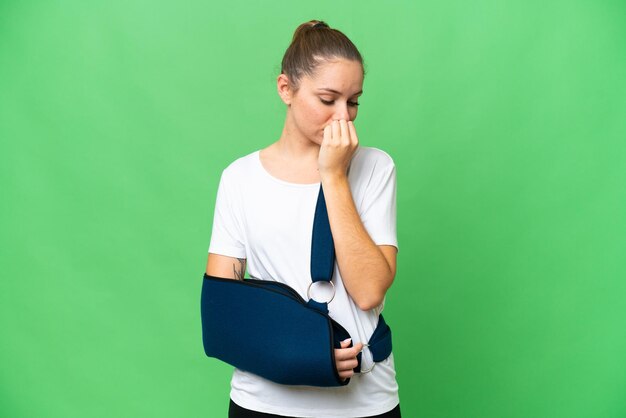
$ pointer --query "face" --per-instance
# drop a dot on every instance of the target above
(332, 93)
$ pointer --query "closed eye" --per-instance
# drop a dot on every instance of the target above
(328, 103)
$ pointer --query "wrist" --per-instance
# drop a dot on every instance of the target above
(333, 178)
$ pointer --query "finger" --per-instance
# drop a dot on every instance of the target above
(346, 374)
(336, 131)
(327, 134)
(345, 133)
(346, 343)
(353, 351)
(347, 364)
(342, 354)
(353, 137)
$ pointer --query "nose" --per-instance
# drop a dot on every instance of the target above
(341, 111)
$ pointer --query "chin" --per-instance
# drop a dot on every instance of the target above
(317, 140)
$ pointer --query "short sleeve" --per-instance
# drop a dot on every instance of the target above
(227, 236)
(378, 211)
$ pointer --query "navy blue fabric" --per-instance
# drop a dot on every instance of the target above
(267, 328)
(359, 358)
(267, 334)
(380, 341)
(322, 245)
(320, 306)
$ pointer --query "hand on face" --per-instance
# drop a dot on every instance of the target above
(338, 146)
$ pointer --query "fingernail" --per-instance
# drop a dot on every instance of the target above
(347, 339)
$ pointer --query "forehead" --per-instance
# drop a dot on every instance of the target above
(341, 75)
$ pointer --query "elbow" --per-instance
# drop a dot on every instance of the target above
(368, 302)
(373, 297)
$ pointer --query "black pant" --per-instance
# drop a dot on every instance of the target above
(235, 411)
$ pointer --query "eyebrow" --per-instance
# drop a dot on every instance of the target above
(338, 92)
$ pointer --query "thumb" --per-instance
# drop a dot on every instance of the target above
(346, 343)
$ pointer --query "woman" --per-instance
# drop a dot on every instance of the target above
(264, 215)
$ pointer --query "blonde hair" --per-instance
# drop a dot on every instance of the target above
(314, 42)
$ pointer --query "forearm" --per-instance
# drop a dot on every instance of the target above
(365, 271)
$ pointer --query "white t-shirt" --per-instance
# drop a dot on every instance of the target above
(269, 222)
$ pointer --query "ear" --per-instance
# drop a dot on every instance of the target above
(284, 89)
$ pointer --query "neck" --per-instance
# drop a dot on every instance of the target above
(294, 146)
(293, 158)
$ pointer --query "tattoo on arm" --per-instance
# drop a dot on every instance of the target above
(242, 269)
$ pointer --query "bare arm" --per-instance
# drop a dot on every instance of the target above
(367, 269)
(226, 267)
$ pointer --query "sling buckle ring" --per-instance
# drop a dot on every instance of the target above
(308, 291)
(363, 371)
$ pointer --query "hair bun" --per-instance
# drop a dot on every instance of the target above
(319, 24)
(310, 26)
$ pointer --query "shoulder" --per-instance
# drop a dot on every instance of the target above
(373, 157)
(241, 167)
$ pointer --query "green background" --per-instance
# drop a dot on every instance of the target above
(507, 123)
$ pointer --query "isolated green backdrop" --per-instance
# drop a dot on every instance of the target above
(507, 123)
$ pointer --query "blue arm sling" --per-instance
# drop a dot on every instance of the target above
(267, 328)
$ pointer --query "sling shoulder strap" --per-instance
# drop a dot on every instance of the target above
(322, 267)
(322, 245)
